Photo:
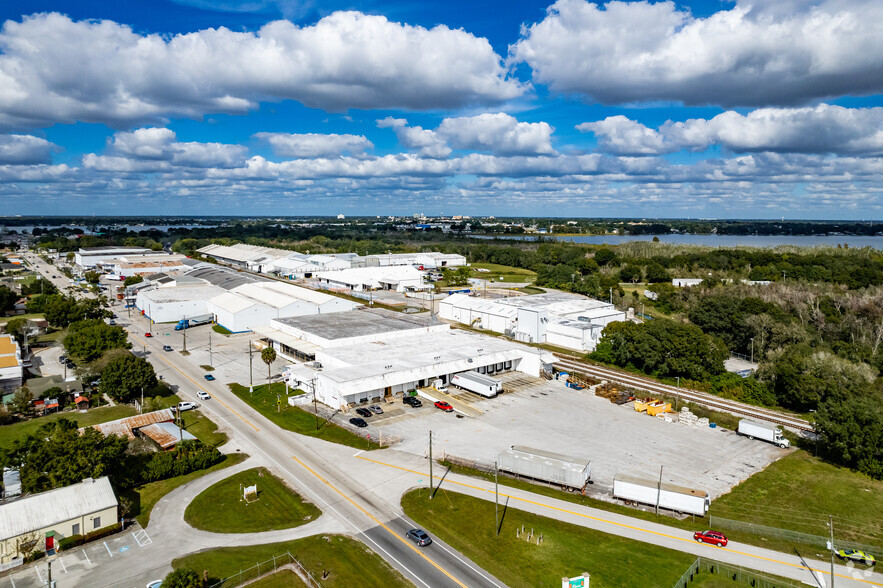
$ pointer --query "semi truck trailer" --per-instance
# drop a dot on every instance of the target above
(194, 322)
(760, 430)
(568, 472)
(478, 383)
(668, 496)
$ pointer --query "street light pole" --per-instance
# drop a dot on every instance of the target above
(678, 394)
(752, 350)
(430, 465)
(250, 380)
(210, 349)
(496, 501)
(831, 527)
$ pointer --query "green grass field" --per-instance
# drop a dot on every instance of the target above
(566, 550)
(203, 428)
(348, 562)
(20, 430)
(799, 491)
(220, 330)
(221, 509)
(145, 497)
(283, 579)
(508, 273)
(293, 418)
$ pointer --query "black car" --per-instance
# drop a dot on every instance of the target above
(419, 537)
(412, 401)
(363, 412)
(358, 422)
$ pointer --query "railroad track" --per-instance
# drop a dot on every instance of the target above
(711, 401)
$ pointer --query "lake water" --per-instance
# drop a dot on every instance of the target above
(854, 242)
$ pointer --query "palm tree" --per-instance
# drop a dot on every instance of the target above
(268, 356)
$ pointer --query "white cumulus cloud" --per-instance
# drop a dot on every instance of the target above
(500, 133)
(820, 129)
(160, 144)
(54, 69)
(25, 149)
(315, 144)
(746, 56)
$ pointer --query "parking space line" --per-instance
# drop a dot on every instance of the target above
(64, 567)
(39, 575)
(12, 581)
(86, 555)
(108, 549)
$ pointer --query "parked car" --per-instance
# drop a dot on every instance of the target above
(187, 405)
(112, 322)
(148, 335)
(166, 347)
(857, 555)
(712, 537)
(412, 401)
(209, 377)
(155, 584)
(442, 405)
(358, 422)
(364, 412)
(375, 409)
(203, 395)
(419, 537)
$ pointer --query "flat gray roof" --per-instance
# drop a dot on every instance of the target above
(358, 323)
(222, 278)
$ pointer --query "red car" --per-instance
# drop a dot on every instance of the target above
(148, 334)
(712, 537)
(444, 406)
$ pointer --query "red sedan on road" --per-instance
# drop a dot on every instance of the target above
(441, 405)
(148, 335)
(712, 537)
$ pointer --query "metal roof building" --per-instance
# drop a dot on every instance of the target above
(50, 516)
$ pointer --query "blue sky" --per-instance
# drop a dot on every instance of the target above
(762, 108)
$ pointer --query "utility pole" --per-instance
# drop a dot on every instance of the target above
(50, 574)
(178, 417)
(250, 380)
(678, 394)
(142, 400)
(315, 404)
(430, 465)
(496, 501)
(831, 527)
(210, 349)
(184, 330)
(659, 490)
(611, 295)
(752, 350)
(149, 321)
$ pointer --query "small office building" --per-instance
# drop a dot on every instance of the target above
(48, 517)
(397, 278)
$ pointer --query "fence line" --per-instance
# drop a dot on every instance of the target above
(735, 573)
(795, 536)
(266, 568)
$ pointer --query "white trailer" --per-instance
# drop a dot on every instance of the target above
(554, 468)
(761, 430)
(478, 383)
(668, 496)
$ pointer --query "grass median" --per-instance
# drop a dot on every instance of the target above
(293, 418)
(346, 561)
(468, 524)
(221, 508)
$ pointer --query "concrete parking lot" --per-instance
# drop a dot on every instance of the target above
(547, 415)
(68, 567)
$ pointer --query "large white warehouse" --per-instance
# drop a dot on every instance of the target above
(167, 305)
(345, 375)
(398, 278)
(557, 318)
(92, 256)
(254, 305)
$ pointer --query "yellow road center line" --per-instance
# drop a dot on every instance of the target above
(198, 385)
(375, 519)
(622, 525)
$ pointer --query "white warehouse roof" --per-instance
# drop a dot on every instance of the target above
(182, 293)
(55, 506)
(373, 276)
(280, 294)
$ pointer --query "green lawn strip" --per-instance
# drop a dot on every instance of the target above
(468, 524)
(294, 418)
(20, 430)
(283, 579)
(347, 561)
(203, 428)
(508, 273)
(145, 497)
(221, 330)
(220, 508)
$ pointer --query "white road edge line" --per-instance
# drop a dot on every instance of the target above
(478, 571)
(108, 549)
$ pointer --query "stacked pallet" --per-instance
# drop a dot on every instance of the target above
(613, 394)
(688, 418)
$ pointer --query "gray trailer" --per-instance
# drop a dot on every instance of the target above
(668, 496)
(569, 472)
(478, 383)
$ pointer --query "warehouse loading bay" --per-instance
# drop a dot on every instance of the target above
(617, 439)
